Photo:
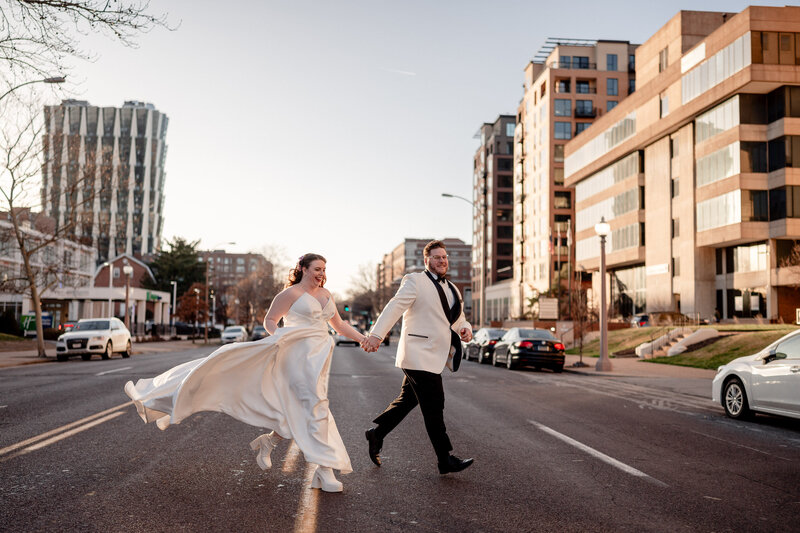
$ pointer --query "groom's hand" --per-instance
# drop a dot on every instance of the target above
(371, 344)
(466, 334)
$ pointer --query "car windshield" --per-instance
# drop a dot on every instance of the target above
(536, 334)
(92, 325)
(235, 329)
(259, 328)
(496, 333)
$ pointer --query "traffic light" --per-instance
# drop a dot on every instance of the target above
(347, 308)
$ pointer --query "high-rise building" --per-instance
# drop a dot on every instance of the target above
(493, 201)
(568, 85)
(695, 171)
(103, 175)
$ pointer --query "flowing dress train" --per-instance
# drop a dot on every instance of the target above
(279, 382)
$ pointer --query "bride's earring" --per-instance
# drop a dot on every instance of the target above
(264, 445)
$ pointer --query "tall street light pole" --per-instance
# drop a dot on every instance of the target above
(128, 271)
(109, 311)
(603, 363)
(51, 80)
(482, 281)
(173, 305)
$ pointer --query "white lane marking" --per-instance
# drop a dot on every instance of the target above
(599, 455)
(740, 445)
(31, 440)
(62, 436)
(115, 370)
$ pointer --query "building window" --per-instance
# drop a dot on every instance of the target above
(580, 62)
(561, 200)
(562, 108)
(543, 90)
(584, 108)
(558, 153)
(563, 62)
(631, 85)
(631, 62)
(675, 188)
(562, 86)
(581, 126)
(510, 129)
(116, 272)
(563, 130)
(612, 87)
(611, 61)
(558, 176)
(663, 59)
(611, 104)
(676, 266)
(663, 105)
(676, 228)
(582, 87)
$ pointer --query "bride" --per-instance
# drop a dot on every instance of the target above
(279, 382)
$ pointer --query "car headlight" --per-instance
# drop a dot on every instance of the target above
(101, 339)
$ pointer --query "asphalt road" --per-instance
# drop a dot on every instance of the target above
(553, 452)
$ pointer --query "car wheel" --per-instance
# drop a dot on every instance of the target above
(86, 356)
(109, 351)
(734, 399)
(494, 359)
(127, 352)
(509, 364)
(61, 357)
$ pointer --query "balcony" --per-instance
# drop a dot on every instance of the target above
(572, 65)
(585, 113)
(585, 89)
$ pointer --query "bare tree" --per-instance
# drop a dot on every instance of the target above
(35, 235)
(792, 263)
(255, 294)
(37, 36)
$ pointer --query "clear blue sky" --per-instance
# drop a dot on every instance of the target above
(334, 127)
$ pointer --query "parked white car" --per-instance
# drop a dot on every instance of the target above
(234, 334)
(104, 336)
(766, 382)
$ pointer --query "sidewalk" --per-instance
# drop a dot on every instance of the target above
(30, 357)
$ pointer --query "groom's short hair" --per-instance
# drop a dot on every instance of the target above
(432, 246)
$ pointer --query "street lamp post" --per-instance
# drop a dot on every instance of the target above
(50, 80)
(172, 306)
(482, 271)
(196, 311)
(603, 363)
(110, 277)
(128, 271)
(213, 310)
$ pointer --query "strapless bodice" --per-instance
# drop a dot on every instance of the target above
(307, 312)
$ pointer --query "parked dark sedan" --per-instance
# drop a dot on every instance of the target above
(481, 347)
(529, 347)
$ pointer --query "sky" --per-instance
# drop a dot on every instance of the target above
(334, 127)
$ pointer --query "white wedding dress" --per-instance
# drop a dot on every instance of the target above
(279, 382)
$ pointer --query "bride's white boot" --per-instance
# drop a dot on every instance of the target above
(325, 480)
(264, 445)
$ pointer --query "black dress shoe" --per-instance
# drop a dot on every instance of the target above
(375, 445)
(454, 464)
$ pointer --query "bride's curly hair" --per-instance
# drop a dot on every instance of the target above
(296, 274)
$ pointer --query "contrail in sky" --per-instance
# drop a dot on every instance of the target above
(403, 72)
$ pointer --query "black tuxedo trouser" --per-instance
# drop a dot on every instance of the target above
(424, 389)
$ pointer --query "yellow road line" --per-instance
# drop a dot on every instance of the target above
(31, 440)
(62, 436)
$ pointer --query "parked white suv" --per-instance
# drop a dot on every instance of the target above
(104, 336)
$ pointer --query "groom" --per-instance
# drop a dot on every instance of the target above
(432, 312)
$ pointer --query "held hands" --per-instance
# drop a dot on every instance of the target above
(466, 334)
(371, 344)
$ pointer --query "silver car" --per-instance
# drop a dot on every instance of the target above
(766, 382)
(104, 336)
(234, 334)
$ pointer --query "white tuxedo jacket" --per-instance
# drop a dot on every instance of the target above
(425, 336)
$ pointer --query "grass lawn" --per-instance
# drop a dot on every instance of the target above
(6, 337)
(725, 349)
(738, 340)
